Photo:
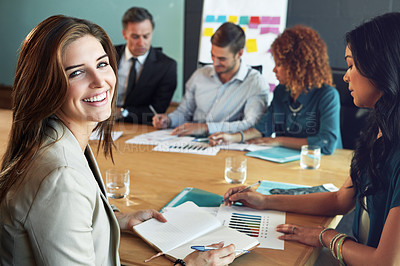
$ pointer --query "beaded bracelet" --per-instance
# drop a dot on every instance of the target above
(180, 261)
(320, 236)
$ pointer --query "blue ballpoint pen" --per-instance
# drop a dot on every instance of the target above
(204, 248)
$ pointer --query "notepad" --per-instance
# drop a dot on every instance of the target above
(188, 225)
(276, 154)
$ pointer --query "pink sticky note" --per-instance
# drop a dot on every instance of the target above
(265, 30)
(275, 20)
(253, 26)
(265, 20)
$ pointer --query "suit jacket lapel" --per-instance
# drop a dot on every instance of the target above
(95, 170)
(113, 220)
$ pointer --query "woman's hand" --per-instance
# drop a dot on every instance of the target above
(249, 198)
(301, 234)
(221, 256)
(127, 221)
(221, 138)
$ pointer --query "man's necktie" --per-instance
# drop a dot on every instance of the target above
(132, 76)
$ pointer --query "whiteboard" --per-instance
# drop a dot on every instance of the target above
(261, 20)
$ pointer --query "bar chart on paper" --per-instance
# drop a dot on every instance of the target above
(252, 225)
(255, 223)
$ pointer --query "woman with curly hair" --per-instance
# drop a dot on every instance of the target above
(305, 108)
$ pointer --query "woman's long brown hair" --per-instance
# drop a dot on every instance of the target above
(40, 88)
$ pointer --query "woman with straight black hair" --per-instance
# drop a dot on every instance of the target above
(373, 188)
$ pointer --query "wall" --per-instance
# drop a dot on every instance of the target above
(18, 17)
(331, 18)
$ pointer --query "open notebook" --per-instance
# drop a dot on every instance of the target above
(188, 225)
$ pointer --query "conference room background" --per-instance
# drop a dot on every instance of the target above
(178, 25)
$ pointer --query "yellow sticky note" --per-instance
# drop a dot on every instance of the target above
(251, 45)
(208, 32)
(233, 19)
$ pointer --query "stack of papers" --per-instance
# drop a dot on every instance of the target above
(243, 147)
(153, 138)
(172, 143)
(182, 146)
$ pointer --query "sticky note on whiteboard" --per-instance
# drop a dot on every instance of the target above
(208, 32)
(251, 45)
(221, 19)
(244, 20)
(210, 18)
(233, 19)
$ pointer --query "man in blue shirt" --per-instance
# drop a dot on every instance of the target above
(225, 97)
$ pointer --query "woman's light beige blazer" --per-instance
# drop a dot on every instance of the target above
(59, 215)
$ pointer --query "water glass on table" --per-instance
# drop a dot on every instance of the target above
(235, 169)
(117, 183)
(310, 157)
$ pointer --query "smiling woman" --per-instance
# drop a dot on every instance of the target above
(53, 205)
(91, 87)
(53, 208)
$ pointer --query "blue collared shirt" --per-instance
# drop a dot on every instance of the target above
(317, 117)
(230, 107)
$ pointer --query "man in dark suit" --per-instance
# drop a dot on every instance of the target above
(146, 76)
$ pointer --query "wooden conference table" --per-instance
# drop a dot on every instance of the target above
(157, 177)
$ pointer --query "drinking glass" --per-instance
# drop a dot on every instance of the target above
(117, 183)
(235, 169)
(310, 157)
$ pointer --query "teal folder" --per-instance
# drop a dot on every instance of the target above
(270, 187)
(276, 154)
(200, 197)
(266, 186)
